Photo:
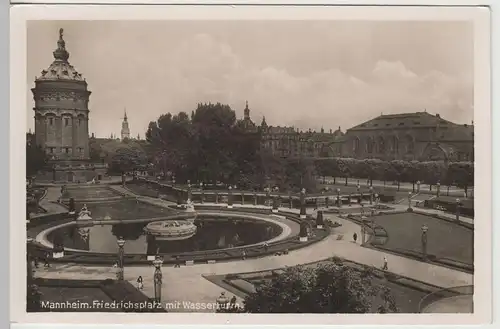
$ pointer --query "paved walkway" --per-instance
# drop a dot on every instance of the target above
(49, 202)
(403, 186)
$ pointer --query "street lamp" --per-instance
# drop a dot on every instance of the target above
(29, 241)
(222, 301)
(157, 263)
(458, 210)
(120, 243)
(371, 195)
(303, 204)
(202, 192)
(189, 190)
(230, 197)
(339, 204)
(424, 241)
(409, 201)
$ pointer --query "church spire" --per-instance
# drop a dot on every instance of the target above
(263, 123)
(125, 132)
(246, 112)
(61, 53)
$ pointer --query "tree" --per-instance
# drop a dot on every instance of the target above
(331, 287)
(36, 159)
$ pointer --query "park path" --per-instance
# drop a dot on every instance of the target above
(403, 186)
(49, 202)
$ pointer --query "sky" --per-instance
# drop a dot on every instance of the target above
(306, 74)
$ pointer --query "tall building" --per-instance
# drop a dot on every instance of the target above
(410, 136)
(62, 119)
(125, 132)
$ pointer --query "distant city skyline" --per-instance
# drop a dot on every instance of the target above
(306, 74)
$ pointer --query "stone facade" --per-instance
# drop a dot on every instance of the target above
(289, 142)
(410, 136)
(62, 120)
(407, 136)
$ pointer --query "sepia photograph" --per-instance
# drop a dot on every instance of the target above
(295, 166)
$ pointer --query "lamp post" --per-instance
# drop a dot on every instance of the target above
(29, 241)
(373, 212)
(120, 243)
(157, 263)
(202, 192)
(303, 204)
(457, 215)
(230, 197)
(363, 233)
(290, 201)
(190, 192)
(222, 301)
(418, 186)
(371, 195)
(424, 241)
(409, 201)
(438, 189)
(339, 203)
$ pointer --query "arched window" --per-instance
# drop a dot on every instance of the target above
(381, 145)
(369, 145)
(395, 144)
(410, 145)
(356, 145)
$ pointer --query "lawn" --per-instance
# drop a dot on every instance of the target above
(98, 192)
(445, 240)
(125, 209)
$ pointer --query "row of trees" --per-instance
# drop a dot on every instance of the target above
(459, 174)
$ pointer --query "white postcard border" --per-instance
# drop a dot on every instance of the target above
(483, 151)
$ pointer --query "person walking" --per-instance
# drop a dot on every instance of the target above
(232, 303)
(385, 267)
(355, 237)
(46, 260)
(140, 283)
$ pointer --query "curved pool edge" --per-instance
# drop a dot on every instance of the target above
(42, 237)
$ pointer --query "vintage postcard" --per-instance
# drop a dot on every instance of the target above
(299, 165)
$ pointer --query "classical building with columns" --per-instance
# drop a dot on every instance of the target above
(417, 136)
(61, 109)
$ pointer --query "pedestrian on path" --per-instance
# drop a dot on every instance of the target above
(355, 237)
(46, 260)
(385, 267)
(140, 283)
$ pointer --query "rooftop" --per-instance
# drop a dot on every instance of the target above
(407, 120)
(60, 69)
